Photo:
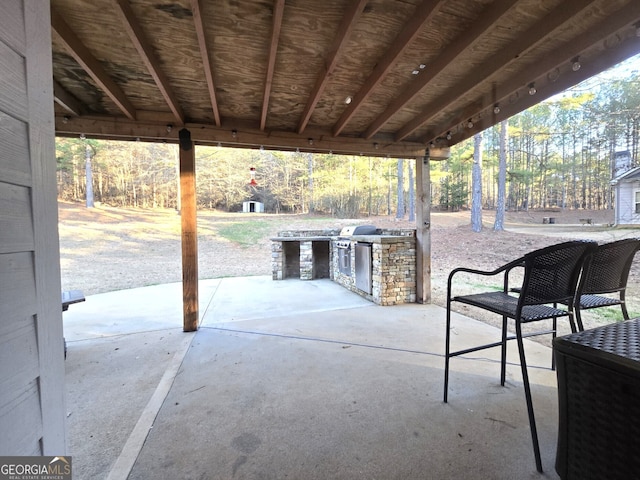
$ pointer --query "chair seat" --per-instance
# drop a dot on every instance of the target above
(595, 301)
(505, 304)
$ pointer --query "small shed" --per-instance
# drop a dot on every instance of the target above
(627, 197)
(252, 207)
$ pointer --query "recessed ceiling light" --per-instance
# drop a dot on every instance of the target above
(422, 66)
(348, 100)
(415, 72)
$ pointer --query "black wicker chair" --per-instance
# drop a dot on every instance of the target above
(606, 273)
(550, 277)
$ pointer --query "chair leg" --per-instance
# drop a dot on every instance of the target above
(447, 350)
(623, 306)
(578, 314)
(503, 354)
(527, 394)
(554, 334)
(625, 314)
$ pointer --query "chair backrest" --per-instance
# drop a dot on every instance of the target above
(608, 269)
(551, 274)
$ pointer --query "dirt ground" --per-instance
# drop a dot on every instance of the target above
(105, 249)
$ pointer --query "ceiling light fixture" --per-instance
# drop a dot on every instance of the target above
(310, 140)
(575, 64)
(423, 66)
(448, 135)
(234, 133)
(348, 100)
(532, 89)
(169, 128)
(469, 124)
(415, 72)
(496, 109)
(65, 119)
(375, 146)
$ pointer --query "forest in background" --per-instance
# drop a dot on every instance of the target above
(560, 153)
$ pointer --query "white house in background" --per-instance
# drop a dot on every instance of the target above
(627, 197)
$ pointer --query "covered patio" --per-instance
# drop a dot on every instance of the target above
(293, 380)
(345, 392)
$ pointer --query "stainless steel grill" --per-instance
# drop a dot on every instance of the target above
(363, 266)
(352, 230)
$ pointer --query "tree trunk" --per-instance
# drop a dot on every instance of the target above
(502, 178)
(310, 173)
(88, 176)
(476, 180)
(412, 195)
(400, 210)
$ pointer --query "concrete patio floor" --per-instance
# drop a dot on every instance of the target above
(293, 379)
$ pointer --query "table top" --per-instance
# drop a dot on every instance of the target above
(615, 343)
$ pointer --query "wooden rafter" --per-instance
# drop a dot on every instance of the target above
(204, 53)
(342, 36)
(627, 49)
(278, 11)
(148, 57)
(532, 37)
(468, 38)
(66, 100)
(420, 17)
(571, 49)
(91, 65)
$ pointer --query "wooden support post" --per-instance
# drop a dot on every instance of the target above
(423, 229)
(189, 232)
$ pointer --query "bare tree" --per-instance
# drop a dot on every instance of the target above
(412, 195)
(502, 178)
(400, 210)
(88, 151)
(476, 195)
(310, 182)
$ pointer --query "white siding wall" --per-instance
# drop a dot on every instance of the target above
(625, 203)
(32, 419)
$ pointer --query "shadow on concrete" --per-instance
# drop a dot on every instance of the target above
(293, 379)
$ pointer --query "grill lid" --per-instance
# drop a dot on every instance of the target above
(350, 230)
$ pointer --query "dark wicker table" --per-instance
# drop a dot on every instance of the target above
(599, 402)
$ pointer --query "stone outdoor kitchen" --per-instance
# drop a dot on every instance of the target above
(378, 264)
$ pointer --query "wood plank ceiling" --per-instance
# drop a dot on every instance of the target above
(373, 77)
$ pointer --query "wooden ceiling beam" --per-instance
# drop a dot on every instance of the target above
(608, 59)
(538, 32)
(139, 40)
(90, 64)
(278, 12)
(66, 100)
(204, 53)
(468, 38)
(409, 32)
(610, 26)
(242, 136)
(337, 48)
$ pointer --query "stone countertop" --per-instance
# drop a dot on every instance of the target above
(302, 239)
